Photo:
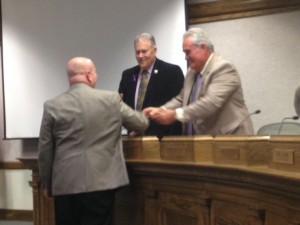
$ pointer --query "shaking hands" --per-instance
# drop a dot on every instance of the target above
(160, 115)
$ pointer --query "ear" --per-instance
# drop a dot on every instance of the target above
(88, 76)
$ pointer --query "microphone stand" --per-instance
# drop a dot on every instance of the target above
(281, 124)
(238, 126)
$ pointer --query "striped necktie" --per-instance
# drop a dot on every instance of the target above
(142, 90)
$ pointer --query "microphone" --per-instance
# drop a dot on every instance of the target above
(239, 125)
(286, 118)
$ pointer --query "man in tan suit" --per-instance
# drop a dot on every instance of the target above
(211, 101)
(80, 153)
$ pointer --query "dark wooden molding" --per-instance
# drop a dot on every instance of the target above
(223, 10)
(12, 166)
(17, 215)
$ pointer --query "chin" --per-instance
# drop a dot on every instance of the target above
(143, 65)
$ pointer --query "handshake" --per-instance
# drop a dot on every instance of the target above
(160, 115)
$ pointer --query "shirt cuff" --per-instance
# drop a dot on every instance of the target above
(179, 114)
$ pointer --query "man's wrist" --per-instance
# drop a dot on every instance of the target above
(179, 114)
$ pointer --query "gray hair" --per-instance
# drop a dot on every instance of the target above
(199, 37)
(145, 36)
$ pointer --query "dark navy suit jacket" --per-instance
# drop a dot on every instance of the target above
(165, 83)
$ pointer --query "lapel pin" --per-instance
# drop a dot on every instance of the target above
(134, 78)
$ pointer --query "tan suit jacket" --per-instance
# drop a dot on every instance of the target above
(220, 106)
(80, 145)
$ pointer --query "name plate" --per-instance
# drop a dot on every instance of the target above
(285, 156)
(178, 151)
(229, 153)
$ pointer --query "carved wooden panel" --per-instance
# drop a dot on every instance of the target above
(151, 207)
(43, 208)
(230, 213)
(178, 209)
(273, 219)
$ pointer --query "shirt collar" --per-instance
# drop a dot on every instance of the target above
(207, 62)
(149, 70)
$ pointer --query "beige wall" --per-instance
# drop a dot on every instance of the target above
(15, 192)
(266, 51)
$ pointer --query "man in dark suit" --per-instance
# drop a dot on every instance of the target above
(164, 81)
(80, 157)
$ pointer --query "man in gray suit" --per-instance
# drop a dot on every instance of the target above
(80, 153)
(211, 101)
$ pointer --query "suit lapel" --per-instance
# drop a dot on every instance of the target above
(190, 78)
(206, 74)
(133, 78)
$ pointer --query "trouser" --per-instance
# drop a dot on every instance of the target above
(92, 208)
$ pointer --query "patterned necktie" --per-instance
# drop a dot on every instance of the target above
(193, 97)
(142, 90)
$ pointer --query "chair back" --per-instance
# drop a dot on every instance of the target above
(285, 128)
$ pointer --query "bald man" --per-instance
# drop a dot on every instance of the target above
(80, 156)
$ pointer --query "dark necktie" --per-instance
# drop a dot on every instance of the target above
(193, 97)
(142, 90)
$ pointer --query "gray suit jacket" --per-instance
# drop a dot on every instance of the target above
(80, 144)
(220, 106)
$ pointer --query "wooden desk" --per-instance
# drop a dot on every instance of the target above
(226, 180)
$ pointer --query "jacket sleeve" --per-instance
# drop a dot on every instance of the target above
(132, 120)
(46, 149)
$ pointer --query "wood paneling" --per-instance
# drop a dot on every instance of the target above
(12, 166)
(223, 10)
(17, 215)
(226, 180)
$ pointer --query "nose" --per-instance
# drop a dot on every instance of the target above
(140, 54)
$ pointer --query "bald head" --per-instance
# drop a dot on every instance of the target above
(82, 70)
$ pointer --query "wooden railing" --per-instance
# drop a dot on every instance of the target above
(202, 180)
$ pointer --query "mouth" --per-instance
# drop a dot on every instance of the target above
(142, 61)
